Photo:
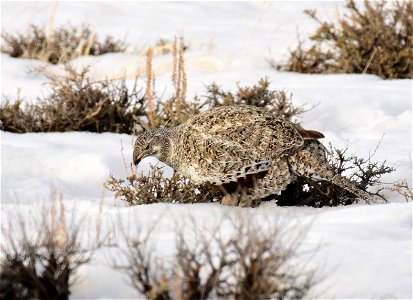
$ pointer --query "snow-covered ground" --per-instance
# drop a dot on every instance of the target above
(364, 251)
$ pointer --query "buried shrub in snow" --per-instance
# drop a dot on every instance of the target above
(376, 39)
(263, 266)
(363, 173)
(58, 46)
(77, 104)
(137, 189)
(146, 273)
(154, 188)
(247, 262)
(41, 254)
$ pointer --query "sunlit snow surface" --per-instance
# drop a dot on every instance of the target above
(364, 251)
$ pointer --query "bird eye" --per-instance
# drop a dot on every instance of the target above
(147, 147)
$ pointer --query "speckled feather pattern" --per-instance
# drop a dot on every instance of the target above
(244, 145)
(229, 142)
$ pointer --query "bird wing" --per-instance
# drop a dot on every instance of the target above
(226, 144)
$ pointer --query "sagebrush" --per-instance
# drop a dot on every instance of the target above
(374, 39)
(58, 46)
(249, 263)
(77, 104)
(277, 102)
(137, 189)
(40, 254)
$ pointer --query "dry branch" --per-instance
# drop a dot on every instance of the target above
(41, 253)
(254, 262)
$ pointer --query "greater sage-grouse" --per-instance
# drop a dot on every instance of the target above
(246, 151)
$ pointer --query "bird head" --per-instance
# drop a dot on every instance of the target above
(150, 143)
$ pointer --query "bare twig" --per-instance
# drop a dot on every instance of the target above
(250, 263)
(41, 253)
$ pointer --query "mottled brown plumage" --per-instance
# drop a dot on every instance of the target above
(244, 150)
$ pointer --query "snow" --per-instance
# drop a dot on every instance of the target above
(364, 251)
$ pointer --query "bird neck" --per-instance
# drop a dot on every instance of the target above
(165, 144)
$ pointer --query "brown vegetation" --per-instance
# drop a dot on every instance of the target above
(253, 262)
(137, 189)
(77, 104)
(41, 254)
(376, 39)
(277, 102)
(59, 46)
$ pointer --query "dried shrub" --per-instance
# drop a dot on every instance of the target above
(137, 189)
(363, 173)
(311, 60)
(41, 253)
(169, 116)
(59, 46)
(146, 272)
(201, 262)
(263, 267)
(375, 39)
(278, 103)
(77, 104)
(15, 118)
(250, 263)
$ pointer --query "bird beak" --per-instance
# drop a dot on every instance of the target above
(137, 161)
(137, 157)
